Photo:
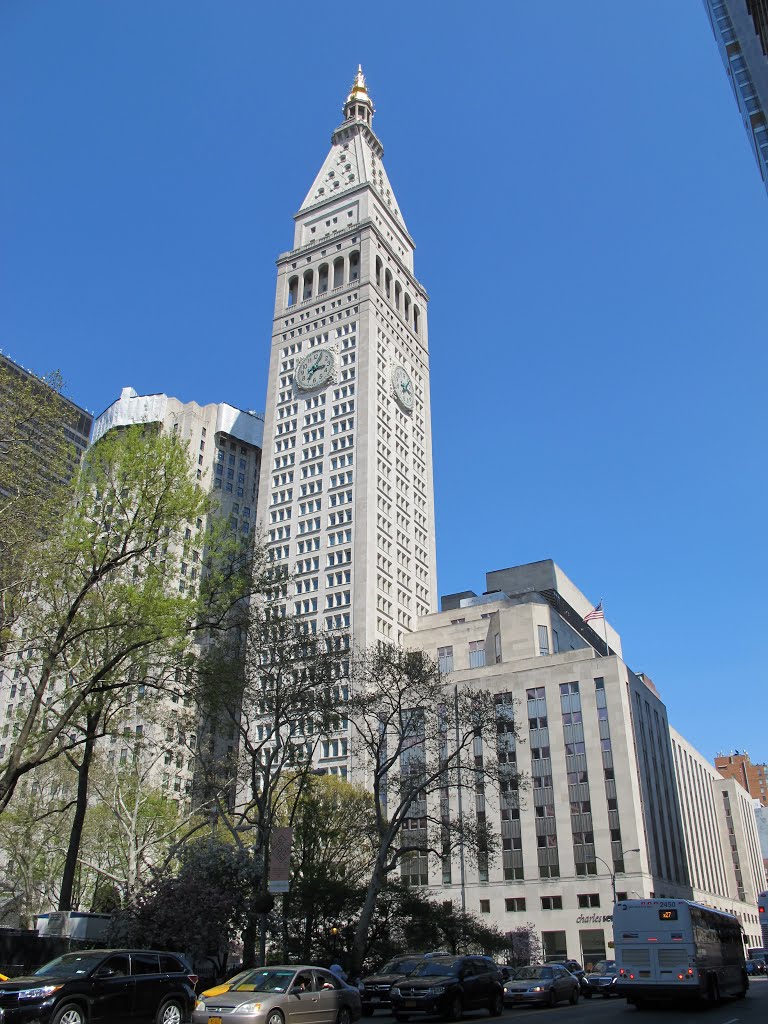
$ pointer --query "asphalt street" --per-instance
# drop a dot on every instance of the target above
(752, 1010)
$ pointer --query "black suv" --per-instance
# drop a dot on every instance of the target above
(118, 986)
(375, 990)
(448, 985)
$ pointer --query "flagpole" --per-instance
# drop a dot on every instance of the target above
(605, 630)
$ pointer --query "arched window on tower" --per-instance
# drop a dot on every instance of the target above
(407, 308)
(416, 318)
(338, 272)
(308, 280)
(398, 294)
(388, 283)
(293, 291)
(354, 266)
(378, 271)
(322, 278)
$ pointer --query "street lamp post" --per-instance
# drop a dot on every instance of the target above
(635, 849)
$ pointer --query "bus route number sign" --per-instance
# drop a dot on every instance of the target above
(667, 915)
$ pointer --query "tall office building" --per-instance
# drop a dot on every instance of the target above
(347, 469)
(225, 445)
(34, 454)
(741, 32)
(616, 800)
(751, 776)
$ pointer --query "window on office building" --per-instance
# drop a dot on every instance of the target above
(543, 640)
(551, 902)
(476, 653)
(515, 905)
(589, 899)
(485, 906)
(445, 659)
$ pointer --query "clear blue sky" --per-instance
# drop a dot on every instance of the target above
(591, 228)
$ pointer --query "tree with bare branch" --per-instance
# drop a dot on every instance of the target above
(427, 752)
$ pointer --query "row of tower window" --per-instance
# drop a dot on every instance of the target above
(341, 271)
(401, 300)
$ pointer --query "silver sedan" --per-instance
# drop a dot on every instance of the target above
(282, 995)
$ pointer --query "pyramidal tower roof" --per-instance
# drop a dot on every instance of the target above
(355, 158)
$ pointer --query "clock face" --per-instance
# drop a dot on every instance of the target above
(315, 369)
(402, 386)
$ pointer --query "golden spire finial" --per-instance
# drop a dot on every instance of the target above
(358, 90)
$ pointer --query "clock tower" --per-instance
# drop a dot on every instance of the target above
(346, 495)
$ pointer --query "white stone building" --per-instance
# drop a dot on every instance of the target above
(347, 469)
(616, 802)
(225, 448)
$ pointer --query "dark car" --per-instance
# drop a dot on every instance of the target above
(375, 990)
(448, 985)
(118, 986)
(542, 984)
(575, 968)
(603, 978)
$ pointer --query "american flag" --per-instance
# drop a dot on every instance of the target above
(596, 613)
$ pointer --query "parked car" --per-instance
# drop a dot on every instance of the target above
(102, 985)
(602, 979)
(574, 967)
(284, 994)
(225, 986)
(448, 985)
(542, 984)
(375, 991)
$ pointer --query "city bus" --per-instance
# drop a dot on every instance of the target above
(676, 949)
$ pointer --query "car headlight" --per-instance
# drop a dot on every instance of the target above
(536, 988)
(199, 1004)
(249, 1007)
(39, 993)
(394, 991)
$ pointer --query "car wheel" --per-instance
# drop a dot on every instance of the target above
(275, 1017)
(496, 1007)
(552, 1001)
(587, 993)
(344, 1016)
(455, 1008)
(69, 1013)
(170, 1012)
(574, 997)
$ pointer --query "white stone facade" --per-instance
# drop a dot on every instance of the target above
(347, 468)
(604, 803)
(225, 448)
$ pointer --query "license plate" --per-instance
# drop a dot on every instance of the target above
(408, 1002)
(214, 1020)
(375, 999)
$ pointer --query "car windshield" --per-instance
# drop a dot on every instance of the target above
(71, 965)
(533, 973)
(400, 966)
(435, 968)
(605, 967)
(264, 981)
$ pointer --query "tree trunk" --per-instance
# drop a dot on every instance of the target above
(81, 806)
(249, 943)
(357, 953)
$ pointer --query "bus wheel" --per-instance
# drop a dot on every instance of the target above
(713, 992)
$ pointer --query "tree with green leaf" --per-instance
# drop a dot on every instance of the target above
(106, 595)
